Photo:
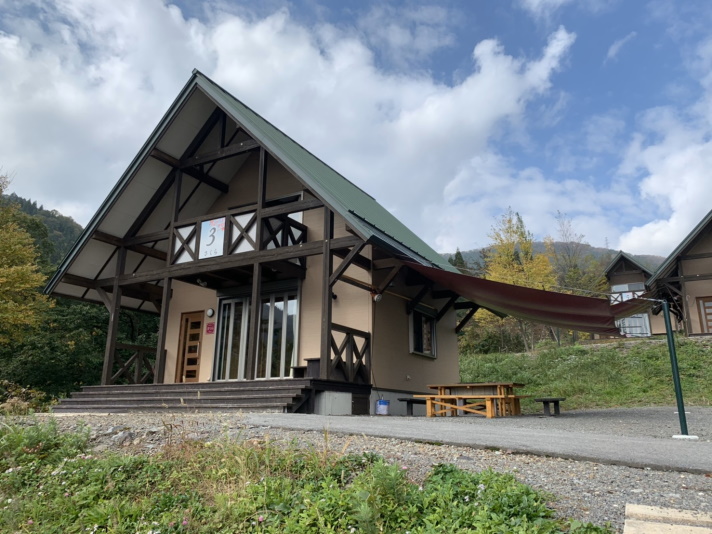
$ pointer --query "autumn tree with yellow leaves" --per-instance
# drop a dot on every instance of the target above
(20, 279)
(511, 259)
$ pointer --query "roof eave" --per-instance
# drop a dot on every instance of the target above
(140, 157)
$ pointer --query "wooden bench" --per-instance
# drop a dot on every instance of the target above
(409, 402)
(551, 400)
(486, 405)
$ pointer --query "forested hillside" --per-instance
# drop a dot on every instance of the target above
(62, 231)
(649, 261)
(62, 348)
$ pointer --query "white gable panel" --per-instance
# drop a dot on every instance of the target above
(133, 260)
(160, 217)
(186, 124)
(92, 259)
(151, 264)
(70, 290)
(134, 198)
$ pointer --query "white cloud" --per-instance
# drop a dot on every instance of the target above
(671, 156)
(617, 45)
(543, 8)
(86, 84)
(405, 36)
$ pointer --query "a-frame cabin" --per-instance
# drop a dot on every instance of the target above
(627, 279)
(279, 284)
(685, 279)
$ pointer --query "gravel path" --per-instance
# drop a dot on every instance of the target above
(582, 490)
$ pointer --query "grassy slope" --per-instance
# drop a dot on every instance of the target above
(626, 373)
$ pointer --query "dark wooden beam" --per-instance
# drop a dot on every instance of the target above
(446, 308)
(387, 263)
(118, 242)
(358, 260)
(326, 295)
(672, 288)
(293, 207)
(162, 332)
(465, 305)
(287, 268)
(410, 306)
(152, 204)
(190, 171)
(345, 263)
(156, 198)
(147, 238)
(700, 256)
(255, 299)
(220, 154)
(357, 283)
(236, 260)
(114, 313)
(466, 318)
(389, 278)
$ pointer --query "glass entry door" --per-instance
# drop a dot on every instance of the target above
(276, 343)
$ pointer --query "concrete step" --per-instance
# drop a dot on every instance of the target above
(195, 394)
(220, 385)
(641, 519)
(114, 408)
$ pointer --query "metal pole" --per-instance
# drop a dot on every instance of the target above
(675, 372)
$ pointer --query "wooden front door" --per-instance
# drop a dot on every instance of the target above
(191, 335)
(704, 306)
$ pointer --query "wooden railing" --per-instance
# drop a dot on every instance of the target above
(136, 364)
(350, 354)
(232, 233)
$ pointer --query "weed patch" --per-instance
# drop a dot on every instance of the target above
(48, 483)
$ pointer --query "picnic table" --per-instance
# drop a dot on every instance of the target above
(491, 399)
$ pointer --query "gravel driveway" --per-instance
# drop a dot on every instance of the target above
(584, 490)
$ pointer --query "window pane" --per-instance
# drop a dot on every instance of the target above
(277, 329)
(263, 338)
(236, 341)
(290, 343)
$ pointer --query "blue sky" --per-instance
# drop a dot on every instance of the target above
(447, 112)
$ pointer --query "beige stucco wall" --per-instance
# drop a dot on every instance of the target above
(693, 291)
(702, 288)
(352, 306)
(394, 367)
(188, 298)
(243, 186)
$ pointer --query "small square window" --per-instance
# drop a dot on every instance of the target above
(422, 333)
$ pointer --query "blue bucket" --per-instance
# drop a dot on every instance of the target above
(382, 407)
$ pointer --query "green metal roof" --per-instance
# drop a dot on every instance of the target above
(363, 213)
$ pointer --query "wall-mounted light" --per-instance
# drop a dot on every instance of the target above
(376, 297)
(210, 312)
(201, 282)
(333, 296)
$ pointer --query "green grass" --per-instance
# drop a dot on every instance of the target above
(601, 376)
(49, 484)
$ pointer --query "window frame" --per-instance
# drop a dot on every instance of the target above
(430, 314)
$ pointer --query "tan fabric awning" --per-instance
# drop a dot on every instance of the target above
(585, 314)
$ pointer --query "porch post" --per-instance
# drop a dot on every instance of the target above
(114, 312)
(160, 365)
(254, 329)
(326, 304)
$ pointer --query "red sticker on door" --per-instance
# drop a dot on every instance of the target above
(209, 328)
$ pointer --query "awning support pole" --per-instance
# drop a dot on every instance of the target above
(675, 371)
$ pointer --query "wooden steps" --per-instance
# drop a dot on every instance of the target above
(257, 395)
